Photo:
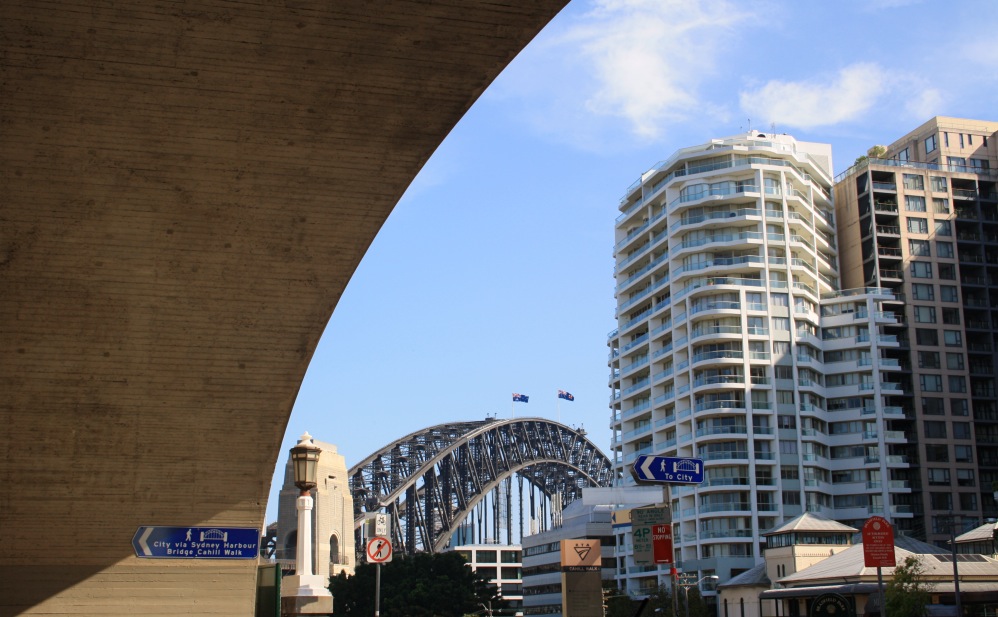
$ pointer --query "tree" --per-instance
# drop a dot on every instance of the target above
(875, 152)
(616, 602)
(906, 593)
(421, 585)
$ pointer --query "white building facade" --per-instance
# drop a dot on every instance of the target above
(735, 345)
(501, 566)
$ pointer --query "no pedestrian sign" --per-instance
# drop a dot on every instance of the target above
(379, 550)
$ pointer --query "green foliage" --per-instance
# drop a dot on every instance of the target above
(617, 602)
(422, 585)
(875, 152)
(906, 593)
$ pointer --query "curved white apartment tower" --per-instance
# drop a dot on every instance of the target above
(735, 345)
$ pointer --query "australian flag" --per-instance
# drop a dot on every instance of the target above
(520, 398)
(565, 395)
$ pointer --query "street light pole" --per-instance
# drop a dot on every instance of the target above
(306, 592)
(686, 590)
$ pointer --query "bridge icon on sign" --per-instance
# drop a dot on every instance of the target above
(582, 551)
(685, 464)
(215, 534)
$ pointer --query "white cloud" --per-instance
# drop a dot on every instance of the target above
(636, 63)
(649, 56)
(850, 95)
(810, 103)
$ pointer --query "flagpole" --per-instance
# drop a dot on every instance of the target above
(559, 410)
(512, 409)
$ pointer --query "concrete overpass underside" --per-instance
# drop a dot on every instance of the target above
(187, 188)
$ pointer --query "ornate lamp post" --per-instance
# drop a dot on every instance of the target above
(305, 593)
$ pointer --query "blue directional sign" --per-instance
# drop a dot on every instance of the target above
(196, 542)
(668, 470)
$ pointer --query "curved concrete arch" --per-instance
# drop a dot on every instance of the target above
(187, 188)
(430, 480)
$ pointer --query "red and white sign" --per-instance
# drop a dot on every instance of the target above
(379, 550)
(661, 543)
(878, 543)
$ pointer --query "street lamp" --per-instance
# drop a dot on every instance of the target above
(686, 590)
(307, 593)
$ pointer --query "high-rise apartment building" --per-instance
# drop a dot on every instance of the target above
(736, 345)
(922, 221)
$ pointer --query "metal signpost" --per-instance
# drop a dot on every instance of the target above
(156, 542)
(379, 551)
(878, 551)
(664, 470)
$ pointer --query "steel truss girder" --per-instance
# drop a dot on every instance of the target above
(430, 480)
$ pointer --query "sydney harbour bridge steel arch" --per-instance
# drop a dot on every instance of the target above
(432, 480)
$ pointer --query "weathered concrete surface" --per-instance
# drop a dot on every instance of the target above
(185, 190)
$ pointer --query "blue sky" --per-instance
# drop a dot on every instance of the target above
(494, 273)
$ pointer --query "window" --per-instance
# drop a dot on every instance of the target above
(922, 291)
(953, 338)
(791, 498)
(968, 501)
(954, 361)
(941, 501)
(789, 473)
(965, 477)
(957, 163)
(963, 454)
(918, 225)
(781, 323)
(959, 407)
(940, 206)
(924, 336)
(928, 359)
(947, 271)
(935, 429)
(944, 249)
(947, 293)
(788, 447)
(925, 314)
(905, 155)
(784, 372)
(961, 430)
(914, 181)
(937, 453)
(951, 316)
(944, 228)
(921, 269)
(931, 383)
(939, 184)
(970, 139)
(957, 383)
(914, 203)
(979, 164)
(919, 248)
(784, 421)
(779, 299)
(938, 477)
(961, 139)
(930, 144)
(781, 348)
(932, 406)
